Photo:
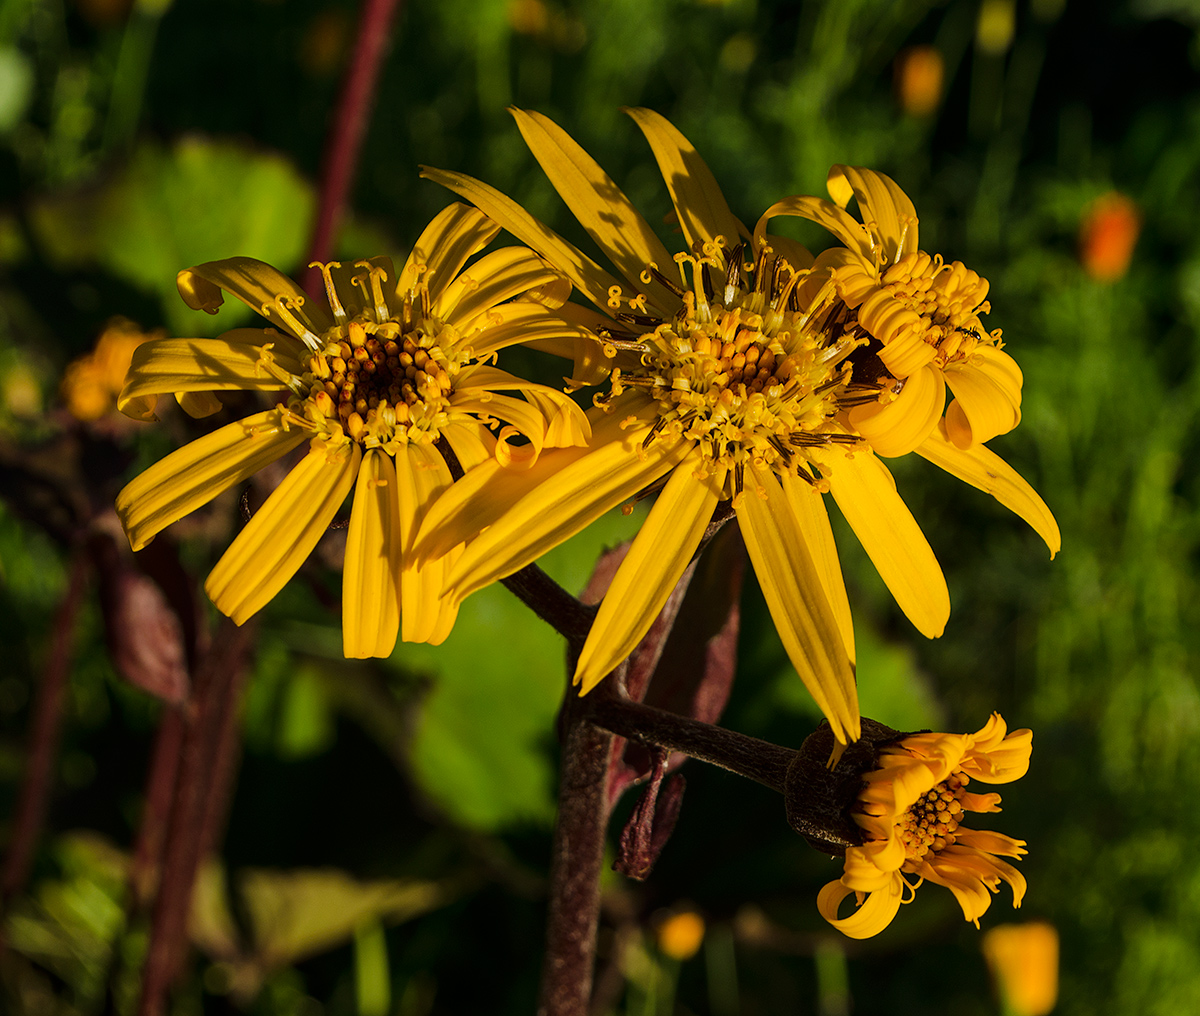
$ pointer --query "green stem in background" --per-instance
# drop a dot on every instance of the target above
(344, 143)
(45, 734)
(131, 73)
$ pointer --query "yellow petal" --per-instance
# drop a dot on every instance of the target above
(882, 204)
(198, 405)
(659, 555)
(795, 595)
(565, 423)
(838, 221)
(524, 417)
(551, 512)
(876, 913)
(898, 427)
(792, 251)
(191, 365)
(984, 469)
(198, 472)
(987, 396)
(266, 290)
(703, 211)
(370, 609)
(491, 280)
(472, 443)
(587, 276)
(456, 233)
(283, 532)
(866, 494)
(808, 505)
(527, 323)
(422, 477)
(599, 205)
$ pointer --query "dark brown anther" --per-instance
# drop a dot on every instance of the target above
(733, 271)
(818, 799)
(760, 271)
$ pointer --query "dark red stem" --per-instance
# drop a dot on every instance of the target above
(44, 734)
(156, 811)
(216, 683)
(348, 130)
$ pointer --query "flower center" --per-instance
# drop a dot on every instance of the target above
(930, 824)
(948, 298)
(382, 377)
(749, 378)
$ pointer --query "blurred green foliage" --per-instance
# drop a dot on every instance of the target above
(137, 138)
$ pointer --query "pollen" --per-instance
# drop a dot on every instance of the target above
(930, 825)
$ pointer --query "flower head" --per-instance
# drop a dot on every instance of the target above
(922, 321)
(725, 386)
(1108, 233)
(383, 387)
(911, 810)
(92, 382)
(1023, 959)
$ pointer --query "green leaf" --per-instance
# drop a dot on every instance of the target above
(170, 209)
(481, 749)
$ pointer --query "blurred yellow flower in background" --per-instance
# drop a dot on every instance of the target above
(681, 935)
(383, 387)
(920, 76)
(92, 382)
(910, 811)
(1023, 959)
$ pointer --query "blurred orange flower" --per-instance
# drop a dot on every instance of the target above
(681, 935)
(1023, 959)
(1108, 233)
(920, 73)
(91, 382)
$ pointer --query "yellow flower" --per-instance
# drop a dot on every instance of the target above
(681, 935)
(1023, 959)
(383, 386)
(911, 809)
(723, 389)
(923, 319)
(91, 382)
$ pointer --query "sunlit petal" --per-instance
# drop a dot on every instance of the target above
(494, 278)
(198, 472)
(898, 427)
(264, 289)
(878, 910)
(882, 204)
(837, 220)
(987, 390)
(422, 477)
(370, 608)
(456, 233)
(284, 531)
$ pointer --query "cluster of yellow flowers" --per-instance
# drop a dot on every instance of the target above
(736, 369)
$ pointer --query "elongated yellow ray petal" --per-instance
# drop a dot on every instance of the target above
(866, 494)
(587, 276)
(196, 365)
(370, 607)
(703, 211)
(877, 912)
(808, 505)
(657, 558)
(983, 468)
(527, 323)
(792, 251)
(551, 512)
(900, 426)
(837, 220)
(494, 278)
(881, 203)
(456, 233)
(489, 490)
(423, 477)
(524, 416)
(600, 206)
(197, 405)
(198, 472)
(471, 442)
(284, 531)
(795, 595)
(565, 423)
(259, 286)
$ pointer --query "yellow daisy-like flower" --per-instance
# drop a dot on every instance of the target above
(911, 809)
(923, 317)
(723, 389)
(383, 386)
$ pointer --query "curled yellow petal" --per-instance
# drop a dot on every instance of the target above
(198, 472)
(866, 494)
(876, 912)
(491, 280)
(898, 427)
(882, 205)
(660, 553)
(837, 220)
(264, 289)
(983, 468)
(795, 595)
(703, 211)
(284, 531)
(370, 608)
(987, 397)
